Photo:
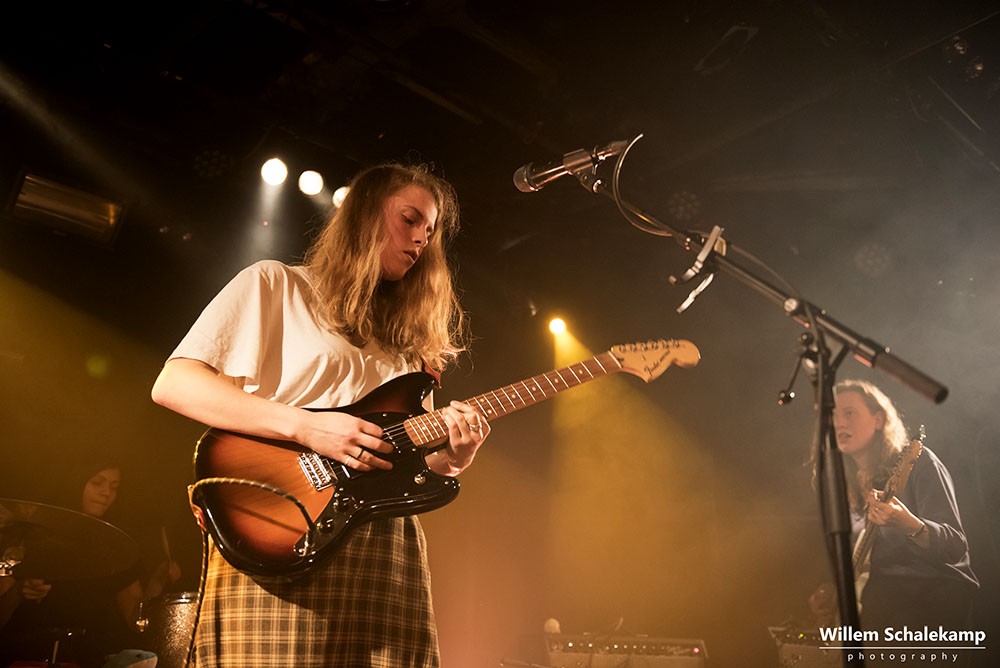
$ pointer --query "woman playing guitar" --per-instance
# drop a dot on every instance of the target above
(919, 566)
(373, 301)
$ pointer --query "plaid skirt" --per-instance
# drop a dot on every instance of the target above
(367, 607)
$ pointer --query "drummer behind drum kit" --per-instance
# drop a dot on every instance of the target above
(55, 544)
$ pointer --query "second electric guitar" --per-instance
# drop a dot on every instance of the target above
(894, 486)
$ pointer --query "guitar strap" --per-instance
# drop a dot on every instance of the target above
(435, 374)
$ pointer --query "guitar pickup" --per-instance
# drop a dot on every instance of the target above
(317, 470)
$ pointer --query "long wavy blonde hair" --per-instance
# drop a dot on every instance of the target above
(417, 317)
(884, 451)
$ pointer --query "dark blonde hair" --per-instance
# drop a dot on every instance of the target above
(883, 453)
(417, 317)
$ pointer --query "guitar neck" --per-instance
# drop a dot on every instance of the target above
(895, 485)
(867, 541)
(431, 427)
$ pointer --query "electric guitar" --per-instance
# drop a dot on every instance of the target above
(861, 557)
(277, 508)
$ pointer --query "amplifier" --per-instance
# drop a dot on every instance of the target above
(803, 649)
(632, 651)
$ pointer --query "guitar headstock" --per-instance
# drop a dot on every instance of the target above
(908, 456)
(649, 359)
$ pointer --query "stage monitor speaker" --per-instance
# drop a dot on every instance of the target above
(638, 651)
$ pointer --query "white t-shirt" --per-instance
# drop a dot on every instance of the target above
(262, 332)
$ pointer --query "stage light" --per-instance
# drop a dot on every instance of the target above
(65, 208)
(212, 163)
(311, 183)
(873, 260)
(974, 69)
(557, 326)
(955, 49)
(274, 172)
(339, 195)
(684, 205)
(727, 49)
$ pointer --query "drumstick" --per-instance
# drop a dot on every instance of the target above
(165, 542)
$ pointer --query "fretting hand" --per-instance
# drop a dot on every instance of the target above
(891, 513)
(467, 429)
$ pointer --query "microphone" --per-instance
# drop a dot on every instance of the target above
(533, 177)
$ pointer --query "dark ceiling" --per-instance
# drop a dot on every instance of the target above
(805, 128)
(172, 107)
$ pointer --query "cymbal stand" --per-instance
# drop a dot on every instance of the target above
(12, 556)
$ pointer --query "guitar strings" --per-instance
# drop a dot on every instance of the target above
(435, 417)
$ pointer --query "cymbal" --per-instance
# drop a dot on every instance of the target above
(55, 544)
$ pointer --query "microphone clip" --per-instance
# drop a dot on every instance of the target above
(714, 243)
(590, 180)
(583, 165)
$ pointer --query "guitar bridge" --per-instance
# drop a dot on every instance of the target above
(317, 470)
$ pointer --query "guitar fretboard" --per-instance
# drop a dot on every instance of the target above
(896, 483)
(431, 427)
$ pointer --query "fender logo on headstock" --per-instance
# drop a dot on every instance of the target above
(650, 359)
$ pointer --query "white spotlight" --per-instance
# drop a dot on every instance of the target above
(274, 172)
(311, 183)
(339, 195)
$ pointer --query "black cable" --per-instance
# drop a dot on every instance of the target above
(201, 596)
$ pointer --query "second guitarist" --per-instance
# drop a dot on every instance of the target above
(920, 571)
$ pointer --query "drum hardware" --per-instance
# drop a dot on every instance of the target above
(60, 545)
(53, 543)
(167, 625)
(12, 556)
(142, 623)
(66, 634)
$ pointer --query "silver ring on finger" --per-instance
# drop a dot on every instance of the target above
(475, 426)
(348, 460)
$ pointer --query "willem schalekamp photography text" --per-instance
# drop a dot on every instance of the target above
(902, 645)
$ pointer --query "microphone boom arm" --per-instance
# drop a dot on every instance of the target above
(868, 352)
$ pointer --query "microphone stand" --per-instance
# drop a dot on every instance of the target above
(712, 258)
(834, 506)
